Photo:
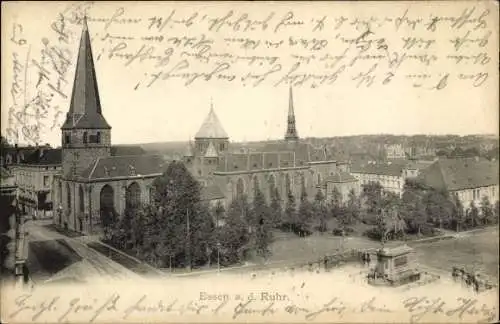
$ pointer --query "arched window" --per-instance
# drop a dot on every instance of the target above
(81, 199)
(107, 205)
(60, 192)
(240, 187)
(288, 184)
(133, 195)
(85, 137)
(68, 196)
(272, 185)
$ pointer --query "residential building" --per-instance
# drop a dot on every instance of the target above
(390, 175)
(395, 151)
(34, 176)
(470, 179)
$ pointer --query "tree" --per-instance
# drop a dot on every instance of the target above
(184, 219)
(412, 206)
(372, 193)
(473, 215)
(487, 215)
(276, 208)
(262, 225)
(320, 210)
(439, 206)
(457, 213)
(234, 235)
(352, 212)
(305, 213)
(218, 212)
(290, 216)
(336, 202)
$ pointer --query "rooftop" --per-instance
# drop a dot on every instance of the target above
(211, 127)
(461, 173)
(125, 166)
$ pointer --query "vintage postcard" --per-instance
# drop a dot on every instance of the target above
(250, 162)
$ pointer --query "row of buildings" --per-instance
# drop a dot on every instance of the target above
(87, 177)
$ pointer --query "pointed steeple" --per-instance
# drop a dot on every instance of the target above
(211, 127)
(85, 106)
(291, 130)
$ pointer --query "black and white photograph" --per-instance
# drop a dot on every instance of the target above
(285, 161)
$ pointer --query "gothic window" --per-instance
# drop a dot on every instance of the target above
(133, 195)
(85, 137)
(240, 187)
(81, 199)
(107, 204)
(68, 196)
(288, 184)
(60, 192)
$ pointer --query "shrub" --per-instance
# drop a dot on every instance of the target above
(373, 233)
(338, 231)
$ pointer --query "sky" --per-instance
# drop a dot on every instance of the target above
(171, 111)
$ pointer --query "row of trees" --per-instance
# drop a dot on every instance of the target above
(179, 229)
(421, 209)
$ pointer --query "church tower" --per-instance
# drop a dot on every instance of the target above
(291, 130)
(86, 135)
(211, 132)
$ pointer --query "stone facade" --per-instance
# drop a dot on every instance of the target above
(79, 203)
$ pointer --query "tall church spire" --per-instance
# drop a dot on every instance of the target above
(85, 107)
(291, 130)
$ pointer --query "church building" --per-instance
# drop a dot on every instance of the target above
(93, 180)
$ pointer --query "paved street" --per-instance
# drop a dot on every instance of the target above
(53, 257)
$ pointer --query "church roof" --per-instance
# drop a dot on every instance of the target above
(341, 177)
(383, 169)
(211, 151)
(211, 127)
(85, 106)
(125, 166)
